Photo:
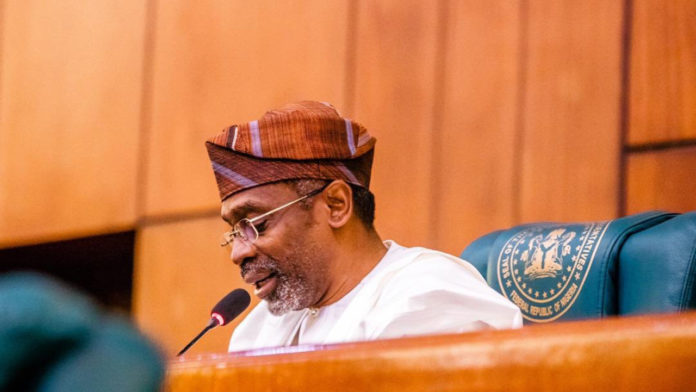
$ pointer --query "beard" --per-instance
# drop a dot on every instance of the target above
(299, 276)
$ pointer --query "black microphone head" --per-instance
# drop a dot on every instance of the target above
(231, 306)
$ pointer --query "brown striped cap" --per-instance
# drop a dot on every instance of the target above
(301, 140)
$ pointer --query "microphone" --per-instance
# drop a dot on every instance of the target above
(225, 311)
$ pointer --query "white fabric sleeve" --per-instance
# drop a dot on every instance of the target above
(437, 295)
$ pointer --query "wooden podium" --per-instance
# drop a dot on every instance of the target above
(647, 353)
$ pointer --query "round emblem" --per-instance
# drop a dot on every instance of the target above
(542, 269)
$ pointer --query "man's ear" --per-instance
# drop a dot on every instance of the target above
(338, 197)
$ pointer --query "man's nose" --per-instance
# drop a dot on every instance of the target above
(242, 250)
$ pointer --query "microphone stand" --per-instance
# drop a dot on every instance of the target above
(214, 322)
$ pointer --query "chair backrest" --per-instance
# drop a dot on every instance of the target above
(643, 263)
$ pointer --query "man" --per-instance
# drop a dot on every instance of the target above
(53, 338)
(294, 188)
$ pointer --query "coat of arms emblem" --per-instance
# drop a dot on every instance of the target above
(543, 268)
(544, 258)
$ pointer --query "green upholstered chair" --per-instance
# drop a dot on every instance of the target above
(638, 264)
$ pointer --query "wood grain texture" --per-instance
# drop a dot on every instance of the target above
(627, 354)
(181, 272)
(221, 62)
(571, 135)
(474, 146)
(661, 180)
(662, 71)
(395, 60)
(70, 89)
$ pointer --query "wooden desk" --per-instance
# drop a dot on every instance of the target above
(648, 353)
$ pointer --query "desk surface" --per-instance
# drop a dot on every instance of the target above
(617, 354)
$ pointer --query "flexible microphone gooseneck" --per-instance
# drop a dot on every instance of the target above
(225, 311)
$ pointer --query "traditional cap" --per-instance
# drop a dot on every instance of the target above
(301, 140)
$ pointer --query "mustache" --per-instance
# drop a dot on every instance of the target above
(259, 263)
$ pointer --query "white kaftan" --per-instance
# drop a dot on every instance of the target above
(411, 291)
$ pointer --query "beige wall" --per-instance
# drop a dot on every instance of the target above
(487, 114)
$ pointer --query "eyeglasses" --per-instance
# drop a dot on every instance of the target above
(245, 229)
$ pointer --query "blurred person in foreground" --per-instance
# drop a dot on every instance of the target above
(294, 186)
(55, 339)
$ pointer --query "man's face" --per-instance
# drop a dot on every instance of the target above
(286, 264)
